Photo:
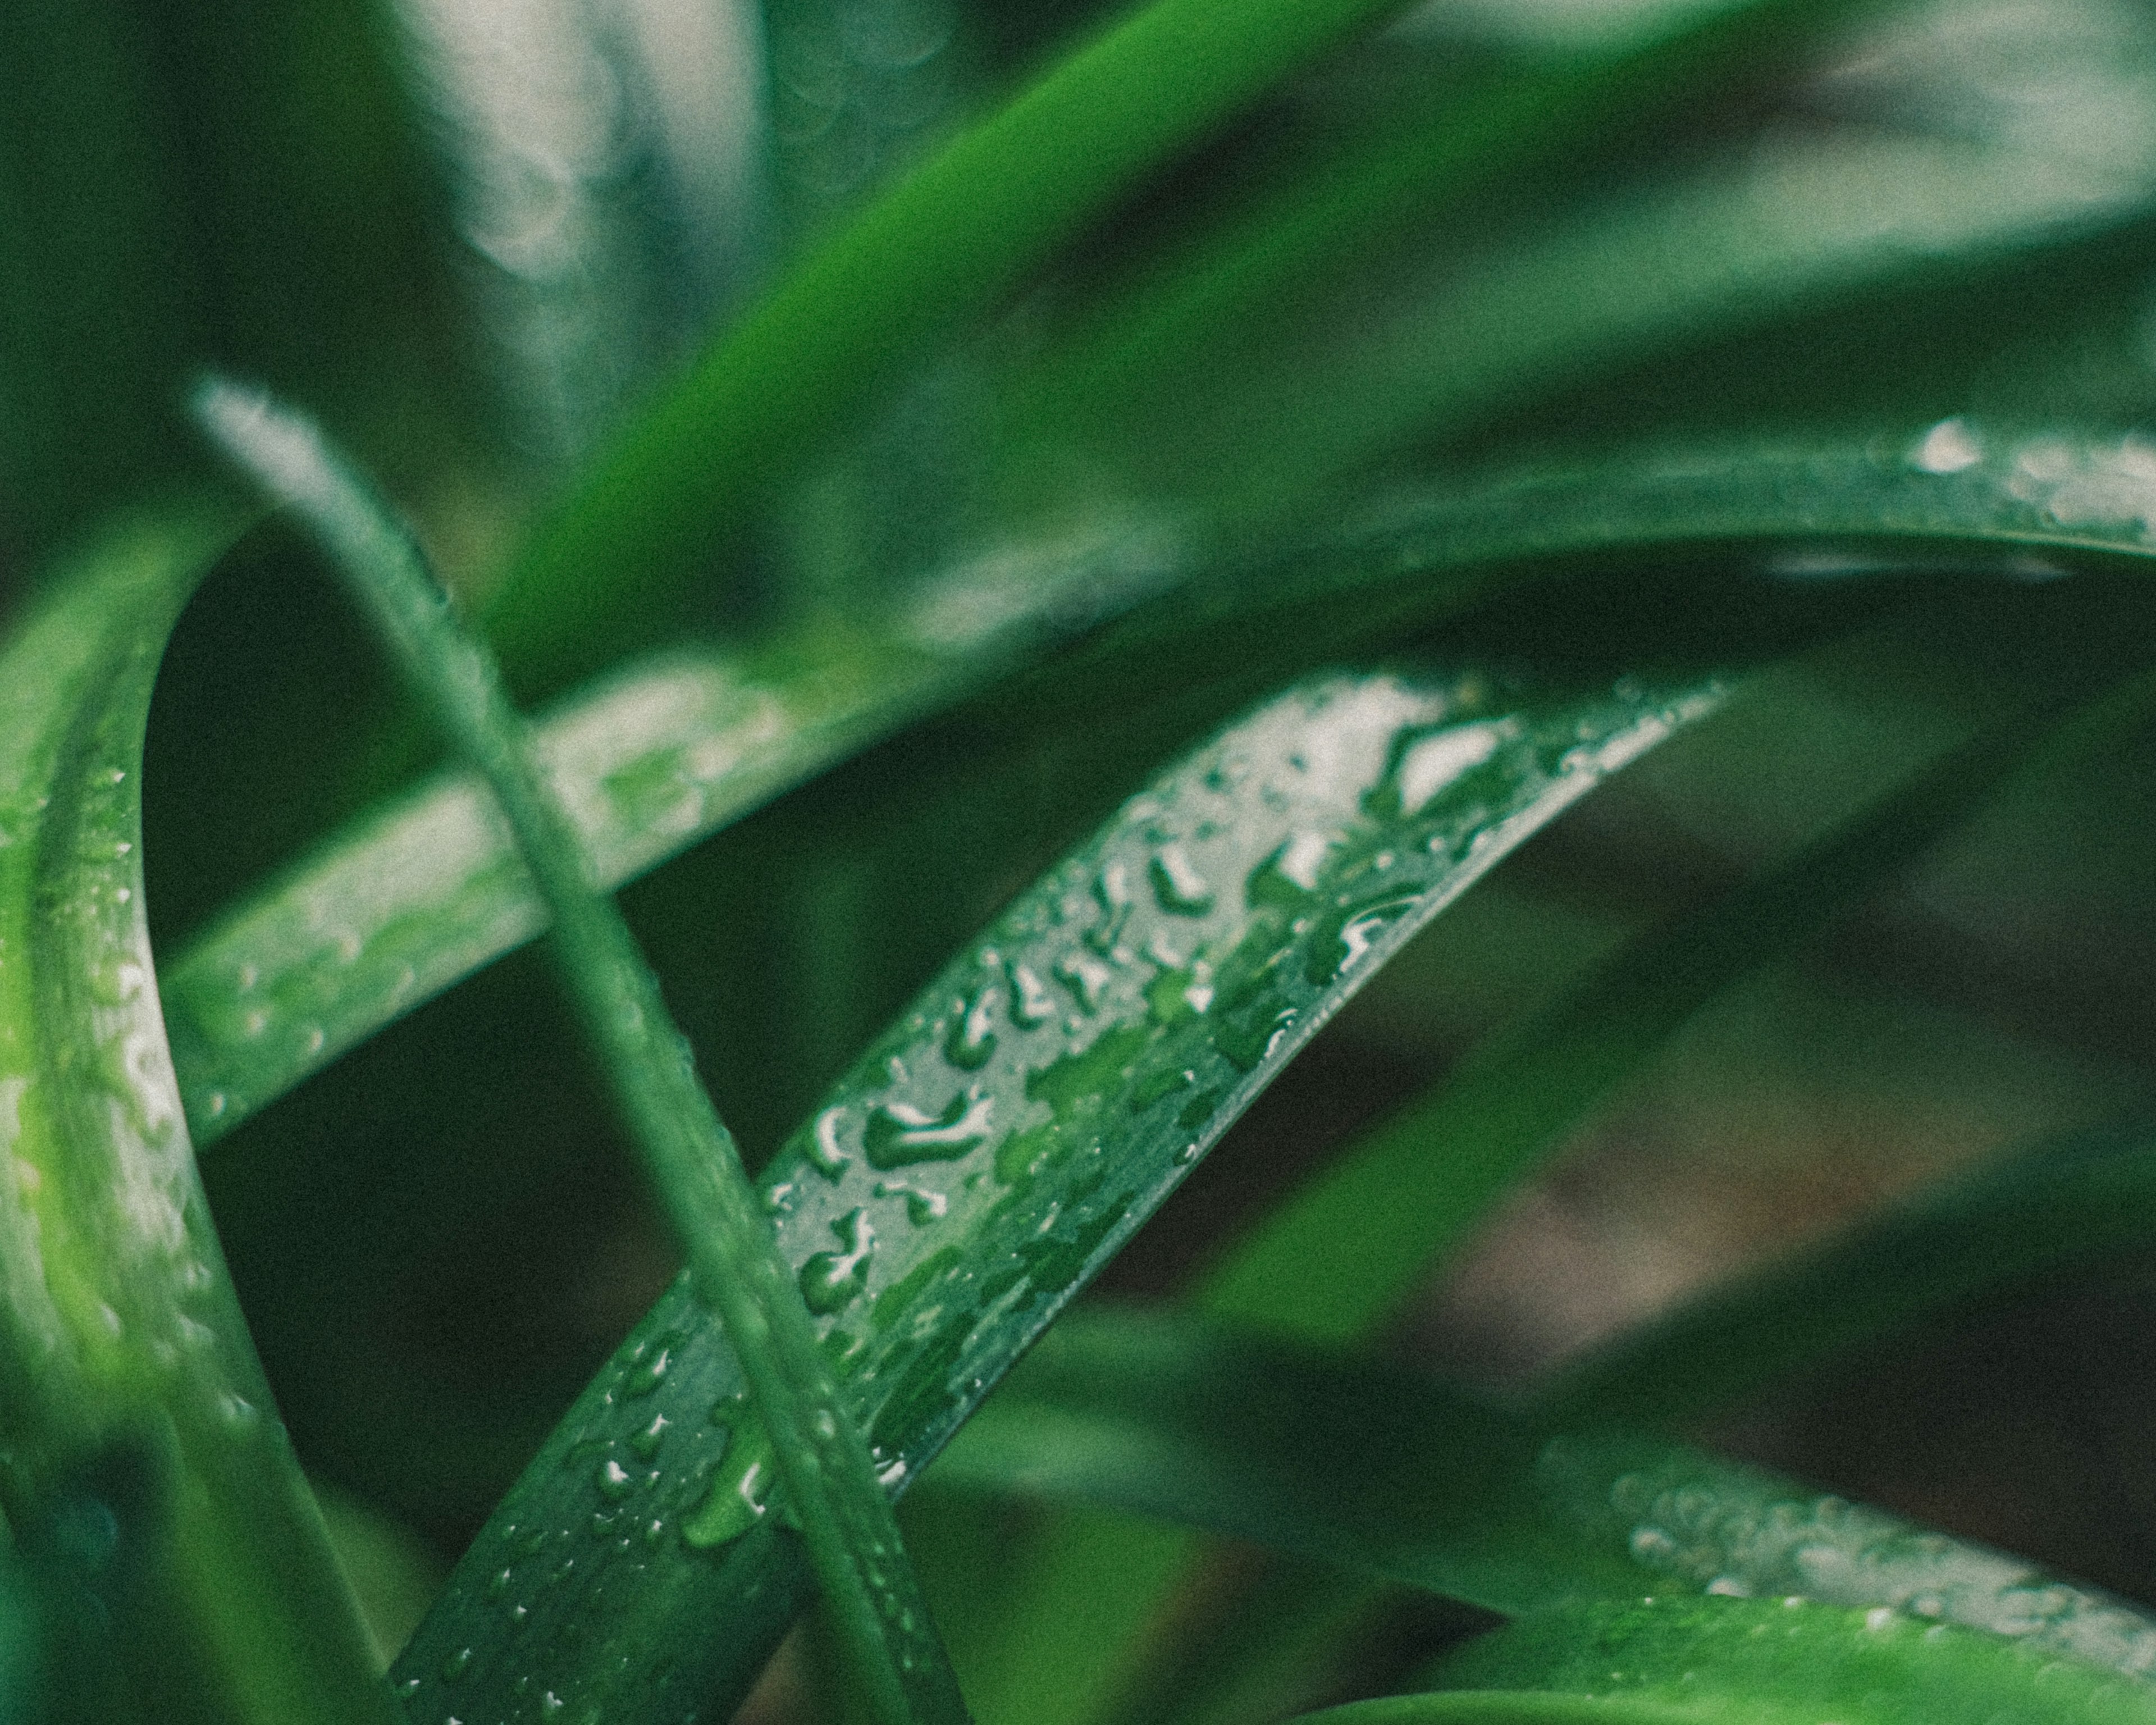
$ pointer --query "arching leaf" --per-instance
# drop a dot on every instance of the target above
(985, 1158)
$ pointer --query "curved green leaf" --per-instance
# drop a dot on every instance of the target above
(1409, 1192)
(426, 890)
(1253, 372)
(996, 1147)
(1369, 1466)
(820, 1456)
(123, 1354)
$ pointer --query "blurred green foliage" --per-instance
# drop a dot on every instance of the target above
(1562, 342)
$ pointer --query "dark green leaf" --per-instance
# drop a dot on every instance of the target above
(130, 1398)
(998, 1145)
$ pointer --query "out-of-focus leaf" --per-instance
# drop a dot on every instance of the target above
(143, 1456)
(2048, 1207)
(989, 1153)
(426, 890)
(1370, 1466)
(100, 310)
(959, 235)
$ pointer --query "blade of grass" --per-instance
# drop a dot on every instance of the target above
(819, 1454)
(99, 294)
(425, 891)
(1354, 1463)
(997, 1145)
(1789, 230)
(949, 242)
(146, 1466)
(1724, 1661)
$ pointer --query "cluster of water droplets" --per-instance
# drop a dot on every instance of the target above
(1054, 1084)
(2105, 486)
(1727, 1533)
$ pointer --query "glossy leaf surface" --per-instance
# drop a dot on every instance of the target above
(123, 1354)
(426, 890)
(997, 1147)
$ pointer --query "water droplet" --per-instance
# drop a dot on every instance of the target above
(922, 1207)
(1948, 447)
(649, 1371)
(825, 1154)
(740, 1491)
(971, 1040)
(498, 1584)
(1252, 1034)
(1111, 891)
(1178, 887)
(456, 1665)
(1085, 976)
(829, 1281)
(1031, 1003)
(614, 1481)
(1159, 1084)
(645, 1442)
(1175, 996)
(899, 1134)
(1344, 938)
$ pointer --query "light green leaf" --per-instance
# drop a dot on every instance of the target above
(123, 1354)
(985, 1158)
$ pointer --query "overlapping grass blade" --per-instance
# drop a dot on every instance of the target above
(819, 1455)
(426, 890)
(1410, 1192)
(1373, 1467)
(991, 1152)
(133, 1402)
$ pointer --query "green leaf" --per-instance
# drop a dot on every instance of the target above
(130, 1398)
(425, 890)
(832, 1492)
(1369, 1466)
(985, 1158)
(1793, 228)
(1784, 1660)
(99, 291)
(1408, 1194)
